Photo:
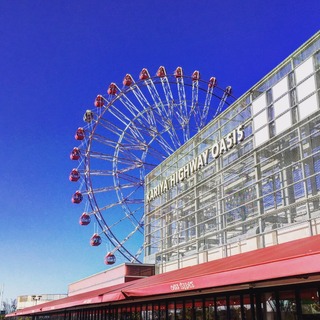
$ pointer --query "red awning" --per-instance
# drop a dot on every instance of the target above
(294, 258)
(112, 293)
(291, 259)
(273, 270)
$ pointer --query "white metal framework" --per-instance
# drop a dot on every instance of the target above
(129, 132)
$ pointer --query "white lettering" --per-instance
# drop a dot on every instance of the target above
(217, 149)
(205, 155)
(181, 175)
(230, 139)
(240, 131)
(193, 165)
(172, 180)
(223, 147)
(182, 286)
(186, 171)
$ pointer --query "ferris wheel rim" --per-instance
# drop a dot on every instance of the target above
(156, 80)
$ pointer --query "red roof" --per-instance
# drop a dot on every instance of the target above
(294, 258)
(92, 297)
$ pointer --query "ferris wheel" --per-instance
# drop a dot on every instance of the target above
(130, 131)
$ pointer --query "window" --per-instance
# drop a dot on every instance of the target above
(280, 88)
(283, 123)
(260, 120)
(304, 70)
(281, 105)
(308, 106)
(262, 136)
(259, 104)
(310, 304)
(209, 309)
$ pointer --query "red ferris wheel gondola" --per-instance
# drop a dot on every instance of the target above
(74, 175)
(75, 154)
(99, 101)
(84, 219)
(112, 90)
(127, 80)
(110, 258)
(196, 75)
(77, 197)
(144, 74)
(212, 82)
(161, 72)
(79, 135)
(95, 240)
(178, 72)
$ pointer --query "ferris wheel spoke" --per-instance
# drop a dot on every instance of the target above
(147, 131)
(125, 136)
(123, 172)
(111, 127)
(194, 110)
(125, 217)
(132, 155)
(115, 243)
(145, 105)
(125, 147)
(137, 255)
(119, 115)
(166, 89)
(100, 155)
(96, 172)
(106, 141)
(161, 73)
(163, 114)
(165, 126)
(226, 94)
(120, 172)
(141, 116)
(113, 205)
(126, 201)
(129, 105)
(128, 123)
(183, 116)
(164, 144)
(111, 158)
(204, 114)
(137, 165)
(121, 244)
(126, 178)
(155, 153)
(105, 208)
(181, 93)
(110, 188)
(156, 98)
(169, 127)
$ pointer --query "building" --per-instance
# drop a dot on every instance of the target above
(249, 180)
(232, 217)
(120, 274)
(26, 301)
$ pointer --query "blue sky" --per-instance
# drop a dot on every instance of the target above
(56, 56)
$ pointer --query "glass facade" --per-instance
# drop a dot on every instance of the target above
(249, 179)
